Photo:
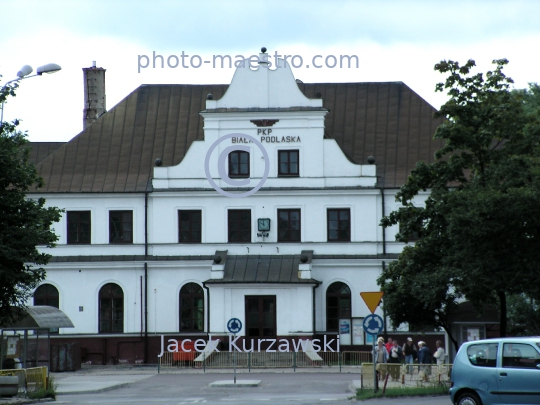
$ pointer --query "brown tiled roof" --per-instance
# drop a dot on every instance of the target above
(386, 120)
(40, 150)
(116, 153)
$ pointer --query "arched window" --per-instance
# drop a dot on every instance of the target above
(338, 305)
(111, 309)
(47, 294)
(191, 308)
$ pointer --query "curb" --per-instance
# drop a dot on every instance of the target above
(355, 385)
(24, 401)
(95, 391)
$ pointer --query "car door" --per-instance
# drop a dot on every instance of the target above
(478, 371)
(519, 373)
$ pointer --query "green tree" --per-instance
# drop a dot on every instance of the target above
(479, 228)
(531, 98)
(24, 222)
(523, 315)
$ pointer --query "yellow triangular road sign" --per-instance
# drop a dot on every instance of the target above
(372, 299)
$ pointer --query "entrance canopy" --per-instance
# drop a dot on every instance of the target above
(266, 269)
(43, 317)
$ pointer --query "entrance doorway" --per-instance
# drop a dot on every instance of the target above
(260, 315)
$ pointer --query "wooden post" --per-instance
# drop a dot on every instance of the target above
(385, 382)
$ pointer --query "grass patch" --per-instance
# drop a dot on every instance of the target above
(363, 394)
(50, 392)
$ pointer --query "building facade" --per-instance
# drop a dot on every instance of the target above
(186, 206)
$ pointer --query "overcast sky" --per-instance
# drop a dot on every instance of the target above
(393, 40)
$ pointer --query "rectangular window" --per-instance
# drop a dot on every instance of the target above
(483, 355)
(239, 223)
(289, 225)
(120, 226)
(78, 227)
(339, 225)
(261, 315)
(239, 164)
(189, 226)
(111, 315)
(288, 165)
(520, 355)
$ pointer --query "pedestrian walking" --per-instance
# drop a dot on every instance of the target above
(395, 358)
(389, 345)
(380, 357)
(410, 352)
(424, 359)
(439, 353)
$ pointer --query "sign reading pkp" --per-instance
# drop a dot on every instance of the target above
(234, 325)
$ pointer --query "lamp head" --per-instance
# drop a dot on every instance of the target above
(48, 68)
(25, 71)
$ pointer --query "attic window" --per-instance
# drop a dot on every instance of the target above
(239, 164)
(288, 163)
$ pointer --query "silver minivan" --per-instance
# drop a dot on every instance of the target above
(497, 371)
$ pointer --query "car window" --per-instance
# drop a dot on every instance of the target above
(483, 355)
(520, 355)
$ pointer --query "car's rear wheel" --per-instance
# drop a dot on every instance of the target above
(468, 398)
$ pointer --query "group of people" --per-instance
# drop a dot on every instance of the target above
(392, 352)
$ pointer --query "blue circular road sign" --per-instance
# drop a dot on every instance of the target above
(373, 324)
(234, 325)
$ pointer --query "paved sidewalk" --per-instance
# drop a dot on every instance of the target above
(84, 383)
(96, 379)
(90, 380)
(93, 379)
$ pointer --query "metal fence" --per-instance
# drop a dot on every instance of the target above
(30, 379)
(391, 375)
(401, 375)
(257, 360)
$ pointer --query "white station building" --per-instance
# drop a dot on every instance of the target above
(189, 205)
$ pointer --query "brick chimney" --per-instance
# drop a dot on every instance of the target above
(94, 94)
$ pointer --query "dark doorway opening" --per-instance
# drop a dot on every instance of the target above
(260, 315)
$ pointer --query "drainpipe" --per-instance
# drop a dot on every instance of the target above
(146, 277)
(383, 228)
(141, 301)
(314, 314)
(384, 310)
(207, 307)
(145, 339)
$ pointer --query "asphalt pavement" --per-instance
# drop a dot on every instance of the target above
(143, 385)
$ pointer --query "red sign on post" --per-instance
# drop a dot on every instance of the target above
(372, 299)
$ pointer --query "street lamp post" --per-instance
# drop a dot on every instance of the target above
(24, 74)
